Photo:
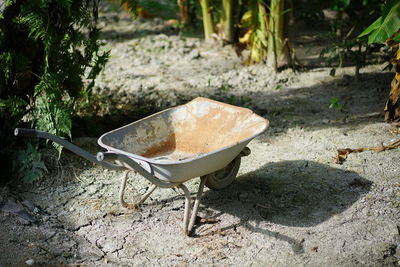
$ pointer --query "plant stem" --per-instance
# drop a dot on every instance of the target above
(275, 33)
(184, 11)
(208, 23)
(227, 20)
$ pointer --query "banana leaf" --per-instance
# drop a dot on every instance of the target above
(385, 26)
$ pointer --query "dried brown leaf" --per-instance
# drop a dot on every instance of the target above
(343, 153)
(206, 220)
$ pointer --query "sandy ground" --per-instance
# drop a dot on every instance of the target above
(291, 204)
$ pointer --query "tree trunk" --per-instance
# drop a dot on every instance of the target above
(184, 11)
(227, 21)
(208, 23)
(275, 33)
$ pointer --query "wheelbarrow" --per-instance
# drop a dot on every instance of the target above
(203, 138)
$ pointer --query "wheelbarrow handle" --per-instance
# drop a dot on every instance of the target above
(77, 150)
(106, 156)
(26, 132)
(102, 158)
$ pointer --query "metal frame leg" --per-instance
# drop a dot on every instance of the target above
(188, 225)
(196, 204)
(187, 209)
(190, 214)
(132, 205)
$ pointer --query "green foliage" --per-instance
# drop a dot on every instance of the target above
(277, 86)
(335, 104)
(339, 5)
(386, 26)
(47, 49)
(49, 58)
(53, 116)
(28, 164)
(12, 106)
(165, 9)
(340, 49)
(350, 18)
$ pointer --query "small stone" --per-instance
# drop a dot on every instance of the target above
(28, 204)
(176, 205)
(24, 221)
(397, 252)
(194, 54)
(30, 262)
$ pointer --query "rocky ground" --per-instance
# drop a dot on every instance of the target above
(291, 204)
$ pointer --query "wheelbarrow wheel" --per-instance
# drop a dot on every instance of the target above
(224, 177)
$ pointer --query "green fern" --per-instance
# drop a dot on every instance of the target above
(13, 105)
(28, 164)
(62, 28)
(52, 113)
(48, 50)
(5, 64)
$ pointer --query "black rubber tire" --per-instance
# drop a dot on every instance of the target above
(224, 177)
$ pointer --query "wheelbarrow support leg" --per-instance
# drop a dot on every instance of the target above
(188, 225)
(187, 208)
(122, 192)
(196, 203)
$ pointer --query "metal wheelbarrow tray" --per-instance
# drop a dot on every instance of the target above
(203, 138)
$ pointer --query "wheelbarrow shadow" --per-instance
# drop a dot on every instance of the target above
(291, 193)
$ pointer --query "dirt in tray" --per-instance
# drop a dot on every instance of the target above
(291, 204)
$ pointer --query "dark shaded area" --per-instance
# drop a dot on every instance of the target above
(118, 35)
(292, 193)
(306, 107)
(137, 107)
